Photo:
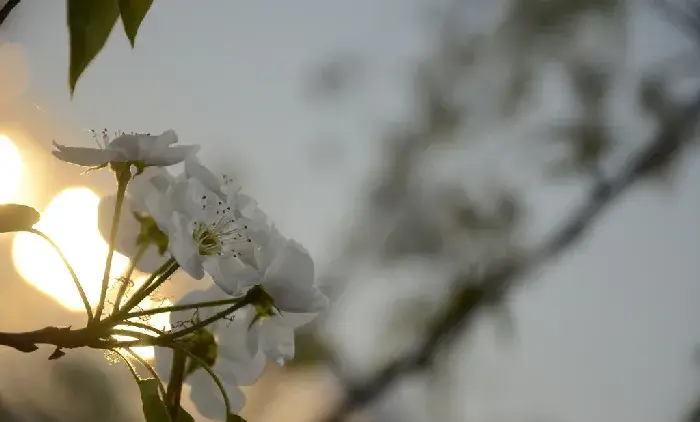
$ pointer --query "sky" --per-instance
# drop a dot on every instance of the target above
(605, 334)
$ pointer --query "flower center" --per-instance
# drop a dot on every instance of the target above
(220, 235)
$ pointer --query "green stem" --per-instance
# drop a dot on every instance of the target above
(191, 329)
(143, 326)
(127, 277)
(83, 296)
(123, 176)
(177, 377)
(128, 364)
(152, 283)
(182, 307)
(207, 368)
(149, 368)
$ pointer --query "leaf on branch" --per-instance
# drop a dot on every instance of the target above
(58, 353)
(153, 407)
(234, 418)
(133, 12)
(183, 416)
(89, 24)
(16, 217)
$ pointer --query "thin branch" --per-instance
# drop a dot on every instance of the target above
(500, 280)
(6, 9)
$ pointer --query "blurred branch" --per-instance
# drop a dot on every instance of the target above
(6, 9)
(501, 279)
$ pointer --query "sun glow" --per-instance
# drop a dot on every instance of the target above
(70, 220)
(10, 169)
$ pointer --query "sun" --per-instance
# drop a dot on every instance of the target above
(70, 220)
(10, 169)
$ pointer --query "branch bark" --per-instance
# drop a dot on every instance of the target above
(502, 279)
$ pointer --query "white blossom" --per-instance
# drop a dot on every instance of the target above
(234, 362)
(144, 149)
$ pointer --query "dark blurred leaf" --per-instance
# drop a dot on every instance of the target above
(235, 418)
(590, 83)
(16, 217)
(89, 24)
(183, 416)
(153, 407)
(132, 13)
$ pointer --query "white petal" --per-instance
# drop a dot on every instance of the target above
(277, 341)
(166, 139)
(129, 145)
(88, 157)
(163, 358)
(207, 397)
(195, 169)
(184, 249)
(291, 266)
(230, 274)
(172, 155)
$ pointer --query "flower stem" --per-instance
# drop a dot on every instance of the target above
(177, 377)
(149, 368)
(128, 364)
(191, 329)
(227, 403)
(127, 277)
(123, 176)
(183, 307)
(152, 283)
(83, 296)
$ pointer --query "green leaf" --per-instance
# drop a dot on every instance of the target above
(89, 24)
(153, 407)
(16, 217)
(183, 416)
(133, 12)
(235, 418)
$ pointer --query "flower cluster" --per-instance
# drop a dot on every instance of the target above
(204, 225)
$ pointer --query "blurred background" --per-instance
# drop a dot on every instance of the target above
(408, 144)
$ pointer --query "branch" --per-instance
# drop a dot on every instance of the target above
(502, 279)
(6, 9)
(61, 337)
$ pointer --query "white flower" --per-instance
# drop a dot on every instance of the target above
(234, 363)
(286, 271)
(152, 182)
(204, 229)
(137, 148)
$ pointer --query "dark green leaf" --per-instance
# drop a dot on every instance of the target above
(89, 24)
(234, 418)
(16, 217)
(133, 12)
(183, 416)
(153, 407)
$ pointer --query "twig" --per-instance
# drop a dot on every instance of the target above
(501, 279)
(6, 9)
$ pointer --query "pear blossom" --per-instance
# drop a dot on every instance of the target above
(204, 229)
(229, 355)
(144, 149)
(285, 270)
